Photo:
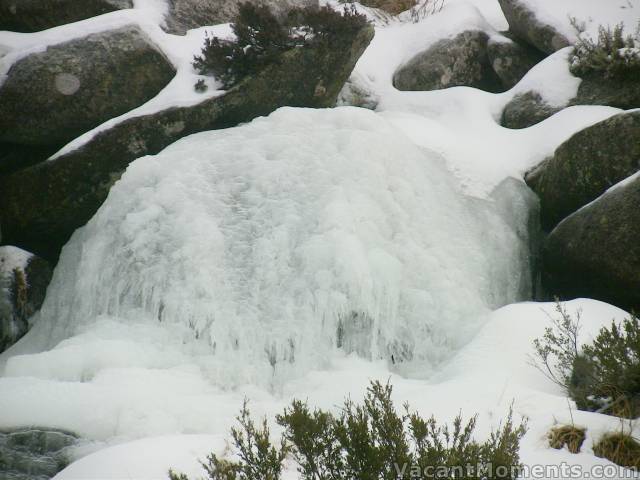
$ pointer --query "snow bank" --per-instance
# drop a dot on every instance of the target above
(487, 376)
(588, 13)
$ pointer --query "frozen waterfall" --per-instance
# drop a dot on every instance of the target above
(263, 249)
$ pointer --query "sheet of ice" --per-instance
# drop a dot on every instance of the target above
(486, 376)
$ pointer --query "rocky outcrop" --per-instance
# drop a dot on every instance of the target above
(510, 60)
(595, 252)
(35, 15)
(461, 60)
(23, 283)
(74, 86)
(524, 24)
(184, 15)
(526, 109)
(34, 454)
(41, 206)
(586, 165)
(612, 92)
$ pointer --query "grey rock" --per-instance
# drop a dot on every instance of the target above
(526, 109)
(619, 93)
(35, 15)
(458, 61)
(524, 24)
(586, 165)
(42, 205)
(510, 60)
(185, 15)
(34, 454)
(50, 98)
(595, 252)
(529, 108)
(23, 284)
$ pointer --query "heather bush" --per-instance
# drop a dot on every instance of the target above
(601, 376)
(368, 441)
(611, 56)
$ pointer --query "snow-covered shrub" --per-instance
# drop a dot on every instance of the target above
(368, 441)
(261, 37)
(602, 376)
(611, 55)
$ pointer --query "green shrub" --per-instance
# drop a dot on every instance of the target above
(261, 38)
(605, 375)
(368, 441)
(612, 56)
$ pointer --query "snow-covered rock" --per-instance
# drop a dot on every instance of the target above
(595, 251)
(511, 60)
(586, 165)
(23, 283)
(35, 15)
(526, 24)
(43, 205)
(185, 15)
(74, 86)
(461, 60)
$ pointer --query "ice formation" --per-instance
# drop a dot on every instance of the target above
(280, 241)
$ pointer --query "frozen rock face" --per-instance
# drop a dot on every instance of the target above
(460, 61)
(42, 205)
(510, 60)
(595, 252)
(184, 15)
(586, 165)
(35, 15)
(49, 98)
(23, 283)
(33, 454)
(524, 23)
(279, 243)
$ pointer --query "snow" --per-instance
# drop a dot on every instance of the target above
(224, 267)
(588, 13)
(495, 366)
(12, 258)
(148, 15)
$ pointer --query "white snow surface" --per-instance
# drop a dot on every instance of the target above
(485, 377)
(590, 14)
(229, 265)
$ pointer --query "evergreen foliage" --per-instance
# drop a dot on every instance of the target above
(368, 441)
(261, 38)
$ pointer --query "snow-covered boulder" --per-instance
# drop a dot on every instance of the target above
(595, 252)
(42, 205)
(527, 109)
(458, 61)
(23, 283)
(525, 24)
(511, 60)
(586, 165)
(185, 15)
(35, 15)
(51, 97)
